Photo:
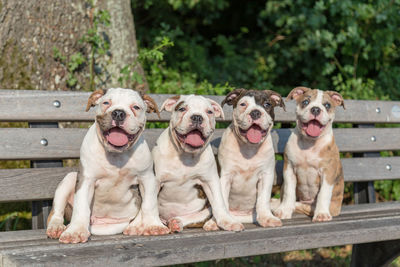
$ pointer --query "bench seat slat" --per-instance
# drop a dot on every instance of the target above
(24, 143)
(197, 245)
(34, 105)
(40, 184)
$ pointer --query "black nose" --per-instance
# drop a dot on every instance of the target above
(118, 115)
(315, 111)
(196, 119)
(255, 114)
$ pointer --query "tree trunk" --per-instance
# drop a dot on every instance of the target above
(31, 30)
(122, 40)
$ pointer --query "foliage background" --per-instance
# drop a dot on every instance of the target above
(343, 45)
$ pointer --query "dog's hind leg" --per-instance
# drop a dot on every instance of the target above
(64, 196)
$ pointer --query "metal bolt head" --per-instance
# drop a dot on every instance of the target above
(378, 110)
(373, 138)
(388, 167)
(56, 103)
(44, 142)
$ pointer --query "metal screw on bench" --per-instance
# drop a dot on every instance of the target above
(56, 103)
(373, 138)
(388, 167)
(378, 110)
(44, 142)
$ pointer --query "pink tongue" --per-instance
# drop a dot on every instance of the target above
(313, 128)
(254, 134)
(117, 137)
(194, 139)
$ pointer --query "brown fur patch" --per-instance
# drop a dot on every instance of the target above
(94, 97)
(151, 105)
(334, 175)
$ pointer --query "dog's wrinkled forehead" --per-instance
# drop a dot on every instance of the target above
(193, 103)
(260, 97)
(122, 97)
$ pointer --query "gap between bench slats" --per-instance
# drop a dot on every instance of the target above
(40, 184)
(33, 105)
(24, 143)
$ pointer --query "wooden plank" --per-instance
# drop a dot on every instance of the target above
(197, 245)
(34, 105)
(40, 184)
(25, 143)
(30, 184)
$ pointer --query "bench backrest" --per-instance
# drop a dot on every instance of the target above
(63, 143)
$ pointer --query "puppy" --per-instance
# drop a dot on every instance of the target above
(185, 164)
(246, 156)
(115, 189)
(312, 168)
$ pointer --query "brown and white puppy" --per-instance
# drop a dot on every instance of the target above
(184, 164)
(115, 189)
(312, 169)
(246, 156)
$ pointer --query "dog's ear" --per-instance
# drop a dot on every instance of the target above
(296, 92)
(276, 99)
(233, 96)
(151, 105)
(337, 98)
(219, 113)
(169, 104)
(94, 97)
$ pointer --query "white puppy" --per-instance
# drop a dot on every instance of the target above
(184, 164)
(247, 158)
(115, 189)
(312, 169)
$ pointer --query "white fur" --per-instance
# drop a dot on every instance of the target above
(107, 177)
(179, 169)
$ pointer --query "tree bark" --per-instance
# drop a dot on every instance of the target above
(30, 30)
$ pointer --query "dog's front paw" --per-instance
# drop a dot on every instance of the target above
(74, 235)
(270, 221)
(283, 212)
(322, 217)
(211, 225)
(55, 230)
(231, 225)
(175, 225)
(143, 229)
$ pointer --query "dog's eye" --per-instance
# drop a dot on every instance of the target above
(210, 112)
(267, 105)
(136, 107)
(106, 103)
(305, 102)
(182, 109)
(327, 106)
(243, 104)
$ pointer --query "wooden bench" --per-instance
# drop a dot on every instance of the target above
(45, 145)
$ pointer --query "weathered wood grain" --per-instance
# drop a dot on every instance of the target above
(24, 143)
(40, 184)
(197, 245)
(20, 105)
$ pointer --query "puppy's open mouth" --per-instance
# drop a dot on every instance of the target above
(118, 138)
(254, 133)
(194, 138)
(313, 128)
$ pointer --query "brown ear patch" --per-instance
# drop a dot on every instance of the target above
(336, 98)
(276, 98)
(297, 92)
(151, 105)
(233, 97)
(94, 97)
(169, 103)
